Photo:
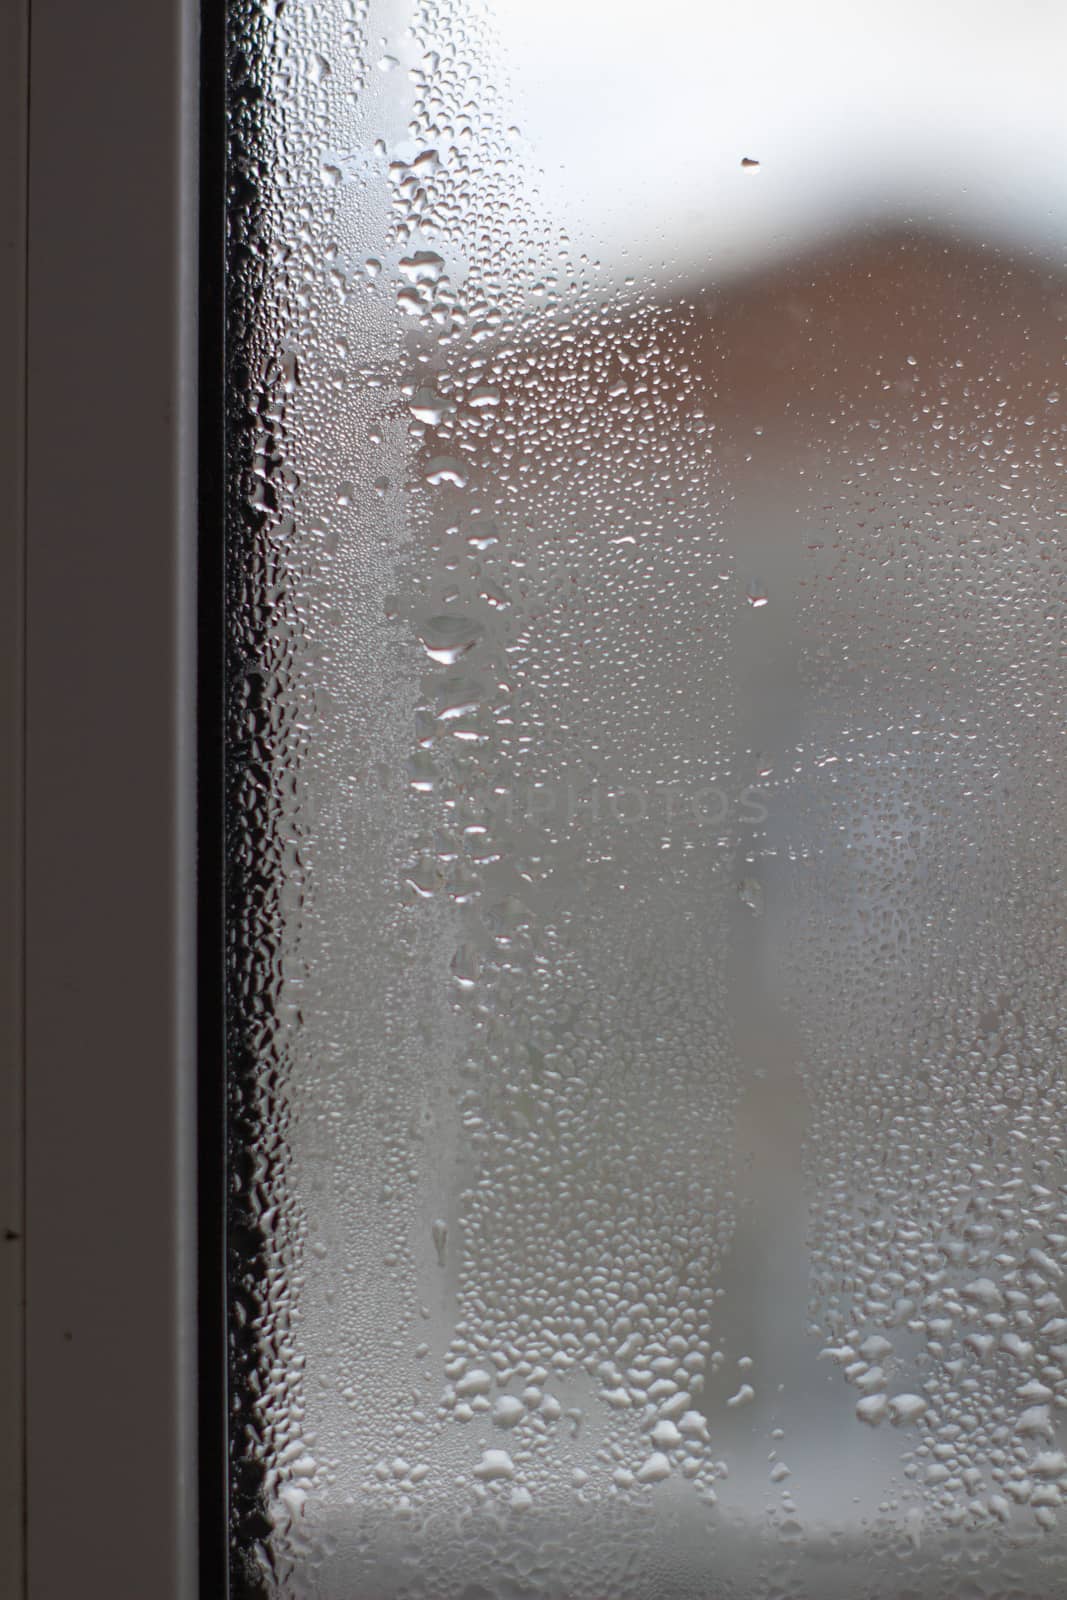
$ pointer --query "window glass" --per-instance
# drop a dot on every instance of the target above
(646, 792)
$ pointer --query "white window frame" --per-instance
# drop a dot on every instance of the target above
(100, 123)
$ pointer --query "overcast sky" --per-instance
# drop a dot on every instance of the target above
(951, 112)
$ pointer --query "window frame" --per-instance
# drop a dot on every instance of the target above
(13, 110)
(109, 946)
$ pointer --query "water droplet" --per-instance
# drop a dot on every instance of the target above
(448, 638)
(654, 1469)
(494, 1465)
(430, 407)
(424, 266)
(445, 469)
(439, 1233)
(905, 1408)
(508, 1411)
(750, 893)
(872, 1409)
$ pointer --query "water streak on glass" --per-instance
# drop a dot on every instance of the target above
(646, 798)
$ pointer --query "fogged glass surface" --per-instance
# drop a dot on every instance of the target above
(646, 779)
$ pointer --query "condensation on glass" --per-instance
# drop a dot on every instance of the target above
(646, 792)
